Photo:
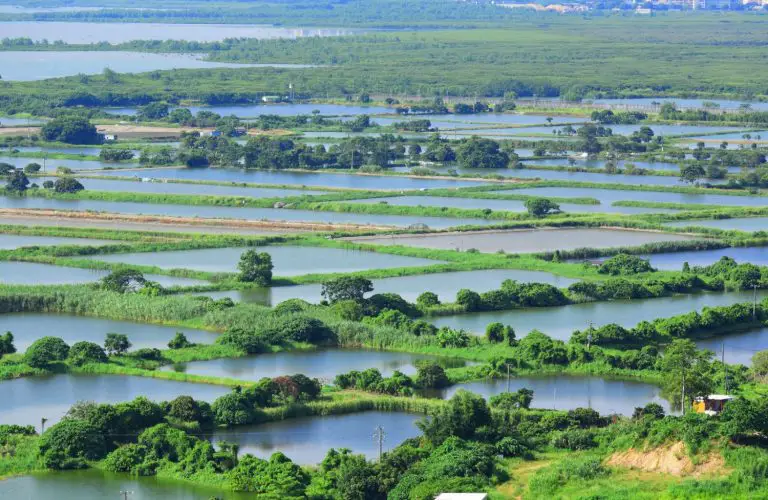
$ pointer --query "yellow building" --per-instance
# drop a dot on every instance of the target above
(712, 404)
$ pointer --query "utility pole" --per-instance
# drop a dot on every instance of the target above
(42, 424)
(508, 380)
(682, 398)
(589, 335)
(125, 494)
(725, 369)
(754, 302)
(378, 436)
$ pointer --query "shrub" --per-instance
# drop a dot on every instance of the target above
(126, 458)
(45, 351)
(67, 185)
(431, 376)
(448, 337)
(148, 354)
(255, 267)
(6, 344)
(622, 264)
(291, 306)
(86, 352)
(539, 207)
(116, 344)
(574, 439)
(348, 310)
(243, 340)
(427, 299)
(179, 341)
(233, 409)
(68, 444)
(469, 299)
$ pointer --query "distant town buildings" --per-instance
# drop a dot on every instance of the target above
(646, 7)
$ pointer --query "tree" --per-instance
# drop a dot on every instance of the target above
(179, 341)
(539, 207)
(759, 362)
(46, 350)
(116, 344)
(72, 130)
(68, 444)
(692, 173)
(123, 280)
(32, 168)
(623, 264)
(233, 409)
(464, 414)
(276, 478)
(481, 153)
(255, 267)
(86, 352)
(469, 299)
(346, 288)
(153, 111)
(686, 371)
(6, 344)
(427, 299)
(67, 185)
(17, 182)
(494, 332)
(431, 376)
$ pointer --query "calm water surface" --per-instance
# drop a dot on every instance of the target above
(28, 327)
(741, 224)
(307, 440)
(324, 364)
(52, 164)
(500, 205)
(527, 241)
(9, 241)
(254, 110)
(608, 196)
(739, 347)
(565, 392)
(674, 260)
(30, 66)
(288, 260)
(81, 33)
(26, 400)
(561, 322)
(245, 213)
(92, 484)
(445, 285)
(300, 178)
(181, 188)
(32, 273)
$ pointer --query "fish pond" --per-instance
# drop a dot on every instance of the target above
(244, 213)
(288, 260)
(561, 322)
(324, 364)
(27, 400)
(526, 241)
(10, 241)
(32, 273)
(563, 392)
(28, 327)
(307, 440)
(674, 261)
(445, 285)
(749, 224)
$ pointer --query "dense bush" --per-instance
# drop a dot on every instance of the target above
(68, 444)
(45, 351)
(622, 264)
(371, 380)
(72, 130)
(86, 352)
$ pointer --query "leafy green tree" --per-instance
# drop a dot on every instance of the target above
(46, 350)
(622, 264)
(186, 409)
(469, 299)
(86, 352)
(759, 361)
(349, 310)
(67, 185)
(448, 337)
(32, 168)
(72, 130)
(276, 478)
(153, 111)
(357, 479)
(6, 344)
(244, 340)
(17, 182)
(685, 368)
(346, 288)
(126, 459)
(123, 280)
(464, 414)
(431, 376)
(540, 207)
(179, 341)
(233, 409)
(116, 344)
(255, 267)
(427, 299)
(478, 152)
(521, 398)
(494, 332)
(691, 173)
(68, 444)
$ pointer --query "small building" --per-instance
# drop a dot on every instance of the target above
(712, 404)
(271, 98)
(239, 131)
